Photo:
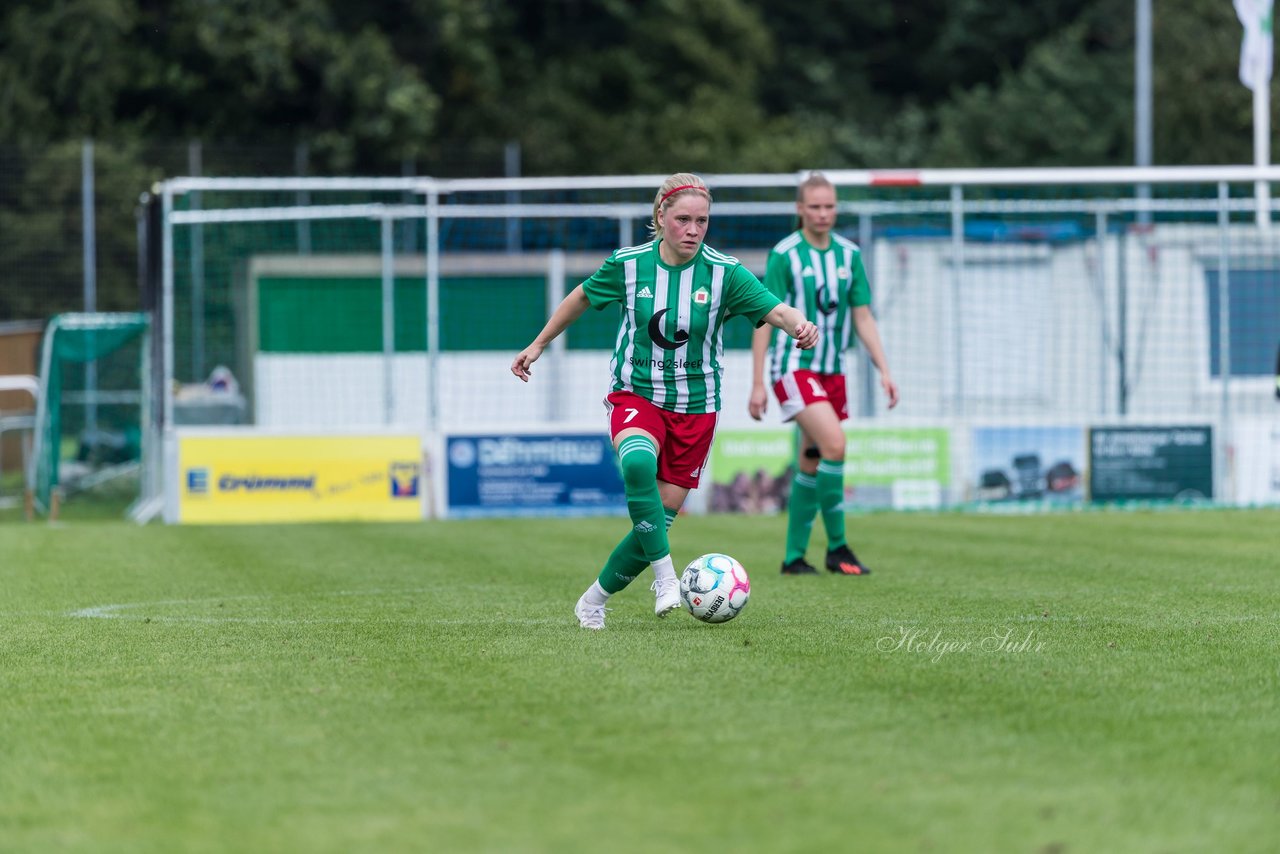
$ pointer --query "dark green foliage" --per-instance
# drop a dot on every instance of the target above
(596, 87)
(439, 87)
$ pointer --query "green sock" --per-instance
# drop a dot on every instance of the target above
(638, 457)
(627, 560)
(801, 508)
(831, 499)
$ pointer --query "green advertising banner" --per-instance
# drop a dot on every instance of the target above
(751, 470)
(1151, 463)
(901, 468)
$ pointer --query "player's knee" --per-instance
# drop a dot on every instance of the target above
(831, 450)
(639, 469)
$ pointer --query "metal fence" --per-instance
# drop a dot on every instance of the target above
(1076, 301)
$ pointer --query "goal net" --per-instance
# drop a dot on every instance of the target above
(92, 418)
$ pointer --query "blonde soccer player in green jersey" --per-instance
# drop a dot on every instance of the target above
(820, 273)
(675, 295)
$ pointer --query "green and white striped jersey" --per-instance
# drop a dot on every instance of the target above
(825, 285)
(670, 344)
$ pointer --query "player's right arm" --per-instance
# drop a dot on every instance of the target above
(570, 309)
(759, 401)
(605, 286)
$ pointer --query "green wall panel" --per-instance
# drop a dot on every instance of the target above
(343, 314)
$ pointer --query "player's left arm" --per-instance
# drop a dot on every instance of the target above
(793, 322)
(864, 322)
(745, 295)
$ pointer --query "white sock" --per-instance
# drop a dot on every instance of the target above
(596, 595)
(663, 568)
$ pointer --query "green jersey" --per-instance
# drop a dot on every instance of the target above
(825, 285)
(670, 345)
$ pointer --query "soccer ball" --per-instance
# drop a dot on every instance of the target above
(715, 588)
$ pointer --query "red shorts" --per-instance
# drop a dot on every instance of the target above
(684, 440)
(799, 389)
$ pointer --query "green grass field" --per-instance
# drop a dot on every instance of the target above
(1091, 682)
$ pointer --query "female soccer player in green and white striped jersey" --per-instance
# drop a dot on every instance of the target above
(820, 273)
(675, 295)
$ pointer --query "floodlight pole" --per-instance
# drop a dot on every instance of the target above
(90, 280)
(1262, 149)
(166, 307)
(957, 289)
(556, 388)
(1255, 73)
(433, 307)
(388, 321)
(194, 167)
(511, 168)
(301, 157)
(1142, 98)
(867, 402)
(1224, 332)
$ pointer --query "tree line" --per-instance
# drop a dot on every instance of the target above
(606, 86)
(438, 87)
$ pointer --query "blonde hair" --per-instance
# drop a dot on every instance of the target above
(673, 188)
(815, 179)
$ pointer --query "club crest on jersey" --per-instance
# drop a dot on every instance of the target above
(701, 297)
(842, 273)
(657, 337)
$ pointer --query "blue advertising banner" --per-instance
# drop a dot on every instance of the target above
(1023, 465)
(537, 474)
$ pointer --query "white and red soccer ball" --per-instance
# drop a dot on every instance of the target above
(715, 588)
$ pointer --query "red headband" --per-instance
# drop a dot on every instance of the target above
(669, 193)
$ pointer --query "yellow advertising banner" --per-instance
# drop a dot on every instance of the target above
(236, 479)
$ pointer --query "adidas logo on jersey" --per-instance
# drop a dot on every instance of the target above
(644, 293)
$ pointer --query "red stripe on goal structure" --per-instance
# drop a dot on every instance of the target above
(895, 179)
